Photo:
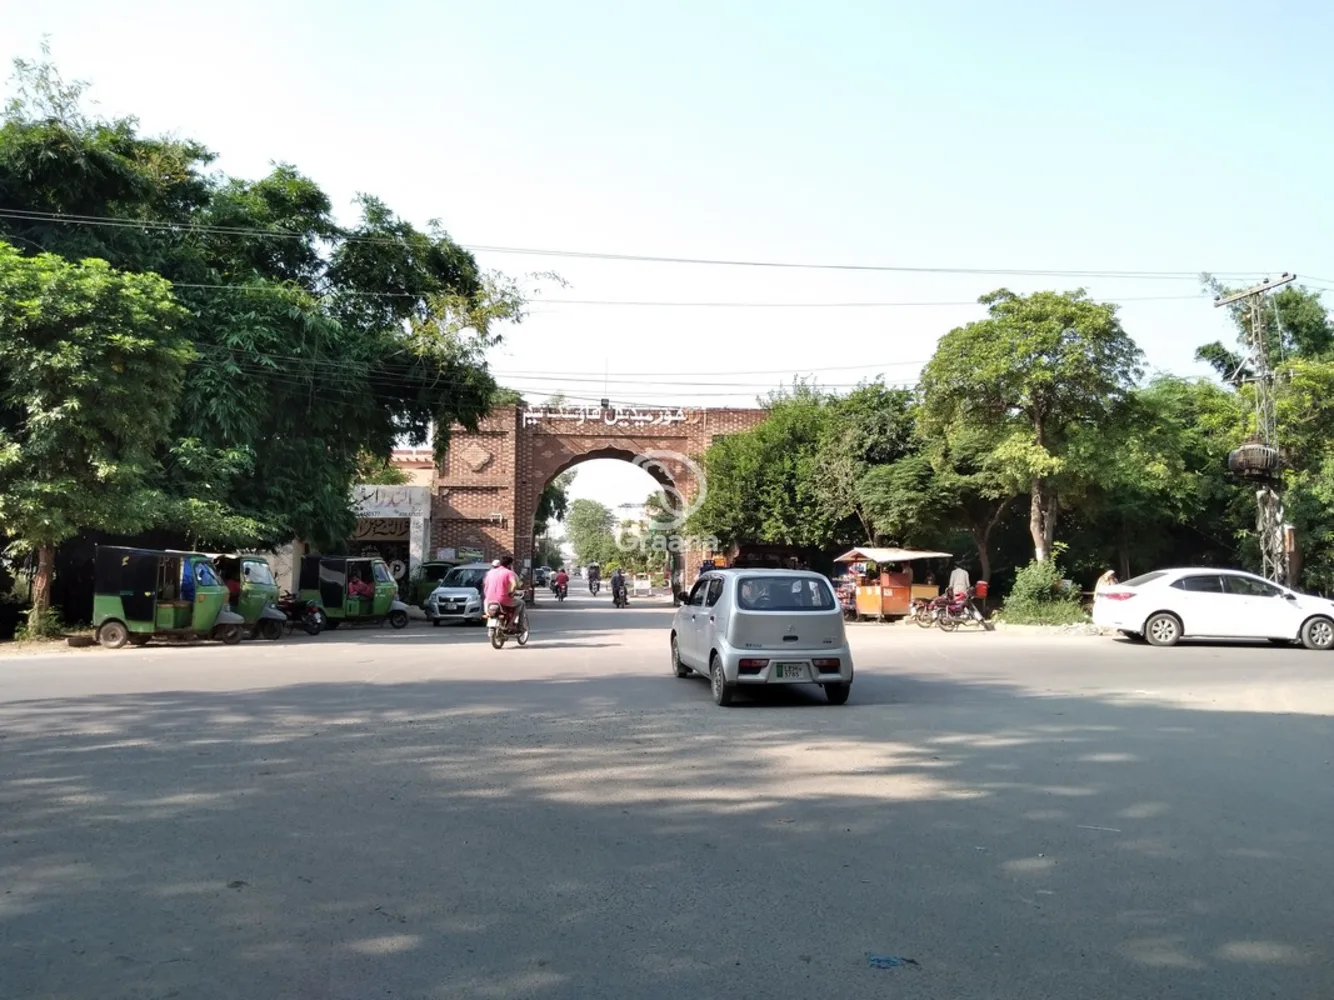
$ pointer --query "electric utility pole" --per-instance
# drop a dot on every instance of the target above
(1260, 459)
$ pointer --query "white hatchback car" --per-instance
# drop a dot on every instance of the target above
(1167, 605)
(764, 626)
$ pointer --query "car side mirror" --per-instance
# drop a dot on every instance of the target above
(1290, 596)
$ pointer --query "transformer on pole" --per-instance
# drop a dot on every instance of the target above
(1259, 460)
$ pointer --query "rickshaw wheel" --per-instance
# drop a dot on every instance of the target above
(230, 635)
(113, 635)
(270, 629)
(398, 619)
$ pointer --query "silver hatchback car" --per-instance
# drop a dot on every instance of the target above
(742, 627)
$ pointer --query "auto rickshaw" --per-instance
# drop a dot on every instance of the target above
(256, 595)
(139, 594)
(426, 579)
(352, 589)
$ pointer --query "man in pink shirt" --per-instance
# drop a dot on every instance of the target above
(499, 586)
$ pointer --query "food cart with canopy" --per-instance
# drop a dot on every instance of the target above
(887, 592)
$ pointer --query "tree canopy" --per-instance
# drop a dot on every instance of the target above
(92, 362)
(1035, 373)
(317, 346)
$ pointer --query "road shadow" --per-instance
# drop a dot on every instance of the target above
(623, 837)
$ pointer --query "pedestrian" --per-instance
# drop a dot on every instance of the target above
(959, 581)
(1108, 579)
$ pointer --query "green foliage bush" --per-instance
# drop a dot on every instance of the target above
(45, 624)
(1039, 597)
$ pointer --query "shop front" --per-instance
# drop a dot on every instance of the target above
(394, 523)
(882, 582)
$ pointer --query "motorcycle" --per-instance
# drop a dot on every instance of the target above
(502, 623)
(927, 613)
(958, 611)
(302, 612)
(620, 597)
(594, 586)
(560, 590)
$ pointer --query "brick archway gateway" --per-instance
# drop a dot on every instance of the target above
(489, 483)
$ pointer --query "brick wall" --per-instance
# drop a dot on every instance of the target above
(488, 486)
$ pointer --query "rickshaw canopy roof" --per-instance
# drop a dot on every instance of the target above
(881, 556)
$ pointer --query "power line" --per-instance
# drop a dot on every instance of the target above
(77, 219)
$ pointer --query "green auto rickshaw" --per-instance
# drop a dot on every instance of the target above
(254, 593)
(353, 589)
(139, 594)
(426, 579)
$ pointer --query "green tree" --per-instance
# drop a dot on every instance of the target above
(588, 527)
(1295, 321)
(1031, 373)
(91, 365)
(554, 503)
(317, 344)
(1156, 489)
(954, 484)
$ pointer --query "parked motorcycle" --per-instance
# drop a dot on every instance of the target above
(958, 611)
(927, 613)
(302, 613)
(502, 624)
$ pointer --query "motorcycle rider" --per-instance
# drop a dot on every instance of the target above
(617, 585)
(500, 586)
(594, 577)
(562, 581)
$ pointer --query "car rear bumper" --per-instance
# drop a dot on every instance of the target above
(1108, 616)
(769, 674)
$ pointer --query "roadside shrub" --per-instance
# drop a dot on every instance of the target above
(47, 626)
(1040, 597)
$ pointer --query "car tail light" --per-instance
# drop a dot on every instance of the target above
(751, 666)
(1117, 595)
(827, 664)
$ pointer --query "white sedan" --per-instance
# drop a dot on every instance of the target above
(1164, 606)
(750, 627)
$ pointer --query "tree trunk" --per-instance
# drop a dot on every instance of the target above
(1123, 550)
(983, 556)
(41, 583)
(1042, 520)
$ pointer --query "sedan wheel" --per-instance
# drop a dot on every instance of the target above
(837, 693)
(1163, 630)
(722, 691)
(1318, 633)
(678, 668)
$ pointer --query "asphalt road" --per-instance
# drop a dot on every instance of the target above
(413, 814)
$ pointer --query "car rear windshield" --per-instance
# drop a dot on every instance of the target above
(1140, 581)
(783, 593)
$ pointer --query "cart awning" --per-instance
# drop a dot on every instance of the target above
(880, 556)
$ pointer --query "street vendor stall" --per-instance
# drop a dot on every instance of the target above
(885, 584)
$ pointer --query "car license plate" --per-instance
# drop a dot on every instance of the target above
(789, 670)
(493, 623)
